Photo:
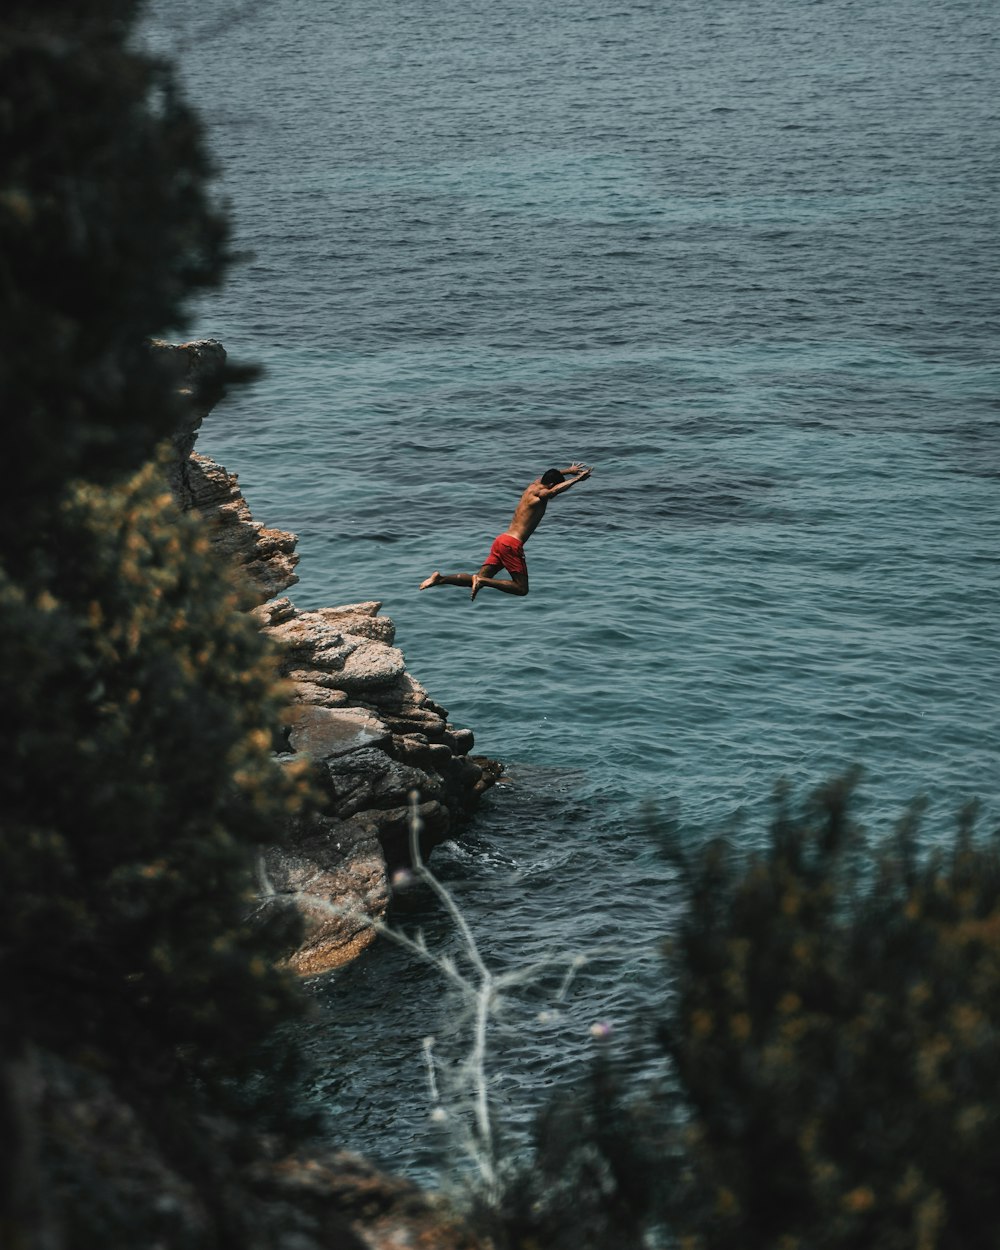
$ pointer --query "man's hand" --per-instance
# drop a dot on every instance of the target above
(576, 473)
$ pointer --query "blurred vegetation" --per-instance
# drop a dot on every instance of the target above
(595, 1179)
(138, 781)
(836, 1037)
(108, 228)
(138, 704)
(834, 1046)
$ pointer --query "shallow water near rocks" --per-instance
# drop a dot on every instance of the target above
(742, 259)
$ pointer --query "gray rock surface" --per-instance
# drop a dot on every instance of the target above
(325, 733)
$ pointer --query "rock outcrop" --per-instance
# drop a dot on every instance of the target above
(266, 557)
(265, 1197)
(372, 733)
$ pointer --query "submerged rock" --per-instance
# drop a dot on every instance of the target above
(259, 1196)
(387, 1212)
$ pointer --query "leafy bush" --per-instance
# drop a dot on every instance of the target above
(137, 783)
(836, 1036)
(138, 705)
(108, 228)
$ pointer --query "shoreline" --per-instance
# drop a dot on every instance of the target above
(371, 733)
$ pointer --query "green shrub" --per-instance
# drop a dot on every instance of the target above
(137, 783)
(836, 1037)
(108, 228)
(139, 706)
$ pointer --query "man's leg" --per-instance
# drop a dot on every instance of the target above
(459, 579)
(518, 584)
(447, 579)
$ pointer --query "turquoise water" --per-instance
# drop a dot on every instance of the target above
(742, 258)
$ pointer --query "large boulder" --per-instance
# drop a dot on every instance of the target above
(334, 873)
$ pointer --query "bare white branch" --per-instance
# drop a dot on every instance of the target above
(483, 993)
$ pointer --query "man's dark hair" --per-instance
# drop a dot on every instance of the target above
(552, 477)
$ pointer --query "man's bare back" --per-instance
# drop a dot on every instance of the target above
(507, 551)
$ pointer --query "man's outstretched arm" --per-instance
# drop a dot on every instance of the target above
(575, 473)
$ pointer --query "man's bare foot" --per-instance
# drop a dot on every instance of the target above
(430, 581)
(476, 580)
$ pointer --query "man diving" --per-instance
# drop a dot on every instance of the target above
(508, 548)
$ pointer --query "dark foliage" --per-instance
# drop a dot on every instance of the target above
(138, 704)
(107, 228)
(837, 1039)
(834, 1034)
(138, 781)
(593, 1182)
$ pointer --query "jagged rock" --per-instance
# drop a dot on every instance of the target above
(404, 693)
(323, 639)
(316, 694)
(360, 619)
(197, 373)
(266, 557)
(367, 779)
(416, 720)
(461, 741)
(275, 612)
(371, 665)
(308, 639)
(462, 772)
(394, 833)
(346, 687)
(414, 749)
(490, 772)
(317, 676)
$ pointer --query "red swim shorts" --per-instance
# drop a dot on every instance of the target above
(508, 551)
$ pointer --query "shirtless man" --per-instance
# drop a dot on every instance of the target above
(508, 548)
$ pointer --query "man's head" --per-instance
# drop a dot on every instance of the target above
(552, 477)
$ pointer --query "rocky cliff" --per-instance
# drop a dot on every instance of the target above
(372, 733)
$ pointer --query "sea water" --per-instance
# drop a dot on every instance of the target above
(741, 257)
